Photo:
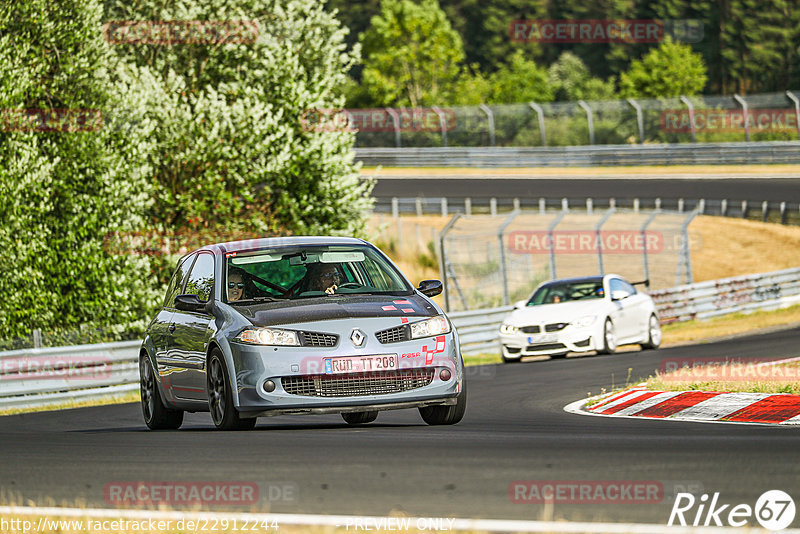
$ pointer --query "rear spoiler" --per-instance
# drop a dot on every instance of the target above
(645, 282)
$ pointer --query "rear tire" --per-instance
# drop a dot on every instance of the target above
(448, 414)
(359, 418)
(609, 338)
(220, 398)
(653, 334)
(156, 415)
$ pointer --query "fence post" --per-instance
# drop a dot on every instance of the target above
(645, 262)
(443, 260)
(540, 114)
(550, 229)
(796, 102)
(503, 273)
(589, 119)
(690, 107)
(598, 237)
(639, 118)
(743, 103)
(490, 117)
(685, 260)
(442, 124)
(396, 119)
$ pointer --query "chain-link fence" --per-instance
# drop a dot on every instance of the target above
(488, 261)
(757, 117)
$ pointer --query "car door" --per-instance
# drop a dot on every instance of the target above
(191, 333)
(159, 331)
(622, 295)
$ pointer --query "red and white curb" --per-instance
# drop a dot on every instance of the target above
(706, 406)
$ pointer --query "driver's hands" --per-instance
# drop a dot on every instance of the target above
(331, 290)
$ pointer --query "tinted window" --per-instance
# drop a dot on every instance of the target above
(201, 279)
(563, 292)
(178, 278)
(615, 284)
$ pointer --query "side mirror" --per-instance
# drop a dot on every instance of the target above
(191, 303)
(520, 304)
(430, 288)
(619, 294)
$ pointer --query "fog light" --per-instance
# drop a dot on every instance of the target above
(269, 386)
(445, 375)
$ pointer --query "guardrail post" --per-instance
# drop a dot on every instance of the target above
(503, 272)
(564, 204)
(783, 212)
(764, 210)
(540, 114)
(701, 206)
(680, 205)
(743, 103)
(690, 107)
(443, 260)
(724, 207)
(395, 207)
(612, 202)
(490, 117)
(468, 207)
(542, 206)
(589, 119)
(796, 103)
(744, 209)
(636, 205)
(493, 206)
(658, 203)
(516, 204)
(442, 124)
(444, 206)
(639, 118)
(396, 119)
(598, 238)
(589, 206)
(37, 338)
(418, 204)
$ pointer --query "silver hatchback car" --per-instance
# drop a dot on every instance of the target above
(298, 325)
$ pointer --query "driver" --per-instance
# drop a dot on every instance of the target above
(235, 284)
(323, 277)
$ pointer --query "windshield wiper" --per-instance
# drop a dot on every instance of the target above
(255, 299)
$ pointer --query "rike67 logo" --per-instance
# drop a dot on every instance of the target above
(774, 510)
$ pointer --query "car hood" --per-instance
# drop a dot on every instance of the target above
(336, 307)
(563, 312)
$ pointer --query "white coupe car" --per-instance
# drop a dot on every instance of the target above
(596, 313)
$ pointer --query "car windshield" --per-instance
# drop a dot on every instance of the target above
(310, 271)
(567, 291)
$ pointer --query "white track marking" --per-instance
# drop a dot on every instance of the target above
(719, 406)
(652, 401)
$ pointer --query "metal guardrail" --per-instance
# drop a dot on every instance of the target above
(764, 152)
(40, 377)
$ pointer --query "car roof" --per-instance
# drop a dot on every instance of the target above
(577, 279)
(270, 242)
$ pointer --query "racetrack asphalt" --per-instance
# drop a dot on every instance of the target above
(515, 429)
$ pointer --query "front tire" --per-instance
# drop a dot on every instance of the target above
(156, 415)
(220, 397)
(359, 418)
(448, 414)
(653, 334)
(609, 338)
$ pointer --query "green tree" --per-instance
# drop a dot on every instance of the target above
(520, 80)
(670, 70)
(414, 56)
(62, 192)
(571, 80)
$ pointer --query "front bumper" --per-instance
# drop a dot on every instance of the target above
(569, 339)
(321, 392)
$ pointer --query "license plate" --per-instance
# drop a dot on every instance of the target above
(543, 338)
(360, 364)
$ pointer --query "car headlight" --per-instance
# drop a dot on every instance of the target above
(508, 329)
(430, 327)
(586, 320)
(268, 336)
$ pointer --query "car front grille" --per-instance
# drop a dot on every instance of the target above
(394, 335)
(545, 346)
(358, 384)
(555, 327)
(318, 339)
(531, 329)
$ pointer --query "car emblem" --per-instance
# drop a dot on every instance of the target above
(357, 337)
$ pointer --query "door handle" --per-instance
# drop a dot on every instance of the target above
(171, 328)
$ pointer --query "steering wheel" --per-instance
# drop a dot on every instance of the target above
(350, 285)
